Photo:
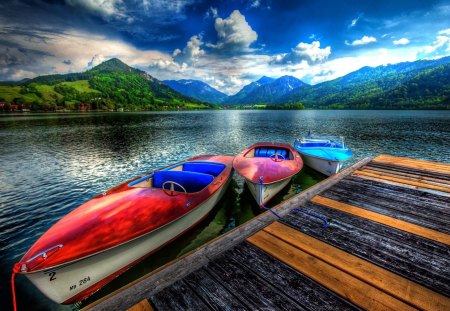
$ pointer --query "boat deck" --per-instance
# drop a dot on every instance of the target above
(385, 245)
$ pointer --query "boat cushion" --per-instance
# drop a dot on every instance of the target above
(191, 181)
(261, 152)
(267, 153)
(206, 168)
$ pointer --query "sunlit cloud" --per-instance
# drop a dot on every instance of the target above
(191, 53)
(363, 41)
(309, 52)
(354, 21)
(402, 41)
(105, 8)
(440, 46)
(234, 33)
(211, 13)
(27, 58)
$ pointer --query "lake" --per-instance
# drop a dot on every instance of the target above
(51, 163)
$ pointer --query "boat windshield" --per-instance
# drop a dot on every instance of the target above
(322, 141)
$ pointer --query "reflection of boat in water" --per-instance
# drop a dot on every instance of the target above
(267, 168)
(324, 154)
(113, 231)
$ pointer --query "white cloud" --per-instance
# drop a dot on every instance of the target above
(364, 40)
(235, 34)
(212, 13)
(444, 32)
(311, 53)
(192, 52)
(440, 46)
(402, 41)
(105, 8)
(354, 22)
(168, 66)
(37, 57)
(96, 60)
(255, 4)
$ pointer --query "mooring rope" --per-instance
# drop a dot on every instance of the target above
(309, 213)
(16, 269)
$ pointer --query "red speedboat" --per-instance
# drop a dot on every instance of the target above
(113, 231)
(267, 168)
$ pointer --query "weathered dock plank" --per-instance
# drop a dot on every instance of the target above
(353, 289)
(391, 283)
(406, 171)
(211, 290)
(421, 260)
(299, 287)
(385, 220)
(179, 296)
(413, 163)
(417, 183)
(143, 305)
(394, 202)
(248, 287)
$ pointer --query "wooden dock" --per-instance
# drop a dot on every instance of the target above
(385, 245)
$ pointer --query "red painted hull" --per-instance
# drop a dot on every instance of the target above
(252, 168)
(122, 214)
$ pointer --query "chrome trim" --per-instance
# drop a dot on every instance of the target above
(44, 253)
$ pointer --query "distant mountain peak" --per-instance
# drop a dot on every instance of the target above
(197, 89)
(265, 79)
(265, 90)
(114, 65)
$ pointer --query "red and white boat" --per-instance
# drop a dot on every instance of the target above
(267, 168)
(113, 231)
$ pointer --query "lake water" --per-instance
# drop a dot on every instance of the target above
(51, 163)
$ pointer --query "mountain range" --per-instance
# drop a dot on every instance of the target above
(423, 84)
(419, 84)
(197, 89)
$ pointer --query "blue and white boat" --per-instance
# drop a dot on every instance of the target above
(325, 154)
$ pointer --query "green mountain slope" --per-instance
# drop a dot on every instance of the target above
(108, 86)
(414, 85)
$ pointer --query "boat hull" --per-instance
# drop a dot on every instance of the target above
(75, 281)
(324, 166)
(265, 192)
(267, 167)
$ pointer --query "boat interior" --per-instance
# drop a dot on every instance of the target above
(188, 177)
(269, 152)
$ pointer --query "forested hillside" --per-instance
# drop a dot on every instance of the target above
(422, 84)
(111, 85)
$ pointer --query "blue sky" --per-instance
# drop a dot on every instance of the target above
(227, 44)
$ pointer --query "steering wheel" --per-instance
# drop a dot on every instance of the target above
(277, 157)
(172, 192)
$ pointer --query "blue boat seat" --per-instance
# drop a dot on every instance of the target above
(191, 181)
(261, 152)
(268, 152)
(206, 168)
